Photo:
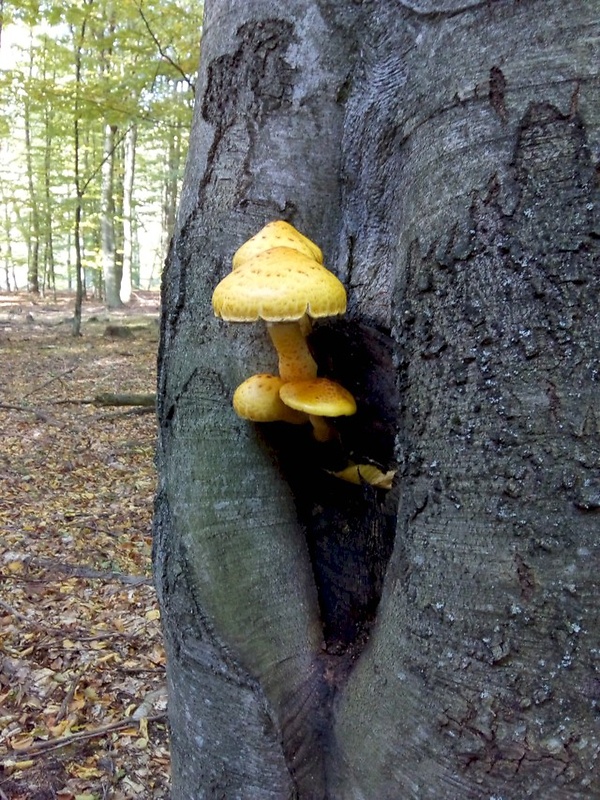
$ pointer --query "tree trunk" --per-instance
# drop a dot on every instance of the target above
(440, 640)
(9, 262)
(112, 280)
(34, 235)
(49, 265)
(171, 177)
(79, 288)
(78, 35)
(128, 212)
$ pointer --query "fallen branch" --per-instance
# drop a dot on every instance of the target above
(30, 623)
(39, 748)
(147, 401)
(109, 399)
(51, 380)
(17, 614)
(131, 412)
(27, 409)
(62, 632)
(88, 572)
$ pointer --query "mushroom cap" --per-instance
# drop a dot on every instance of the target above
(257, 399)
(319, 397)
(279, 285)
(276, 234)
(366, 473)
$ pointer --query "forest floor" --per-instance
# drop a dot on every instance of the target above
(82, 678)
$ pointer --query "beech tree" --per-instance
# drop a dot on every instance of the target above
(440, 639)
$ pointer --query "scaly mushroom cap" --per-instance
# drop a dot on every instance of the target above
(257, 399)
(276, 234)
(279, 285)
(318, 397)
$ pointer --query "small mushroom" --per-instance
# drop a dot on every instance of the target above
(319, 398)
(276, 234)
(284, 287)
(366, 473)
(257, 399)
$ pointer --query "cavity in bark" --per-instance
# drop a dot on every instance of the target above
(349, 528)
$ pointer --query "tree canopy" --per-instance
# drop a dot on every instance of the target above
(92, 92)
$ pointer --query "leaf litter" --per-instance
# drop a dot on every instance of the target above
(82, 666)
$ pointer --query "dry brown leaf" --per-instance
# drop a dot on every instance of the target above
(75, 511)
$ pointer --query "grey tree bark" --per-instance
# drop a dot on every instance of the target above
(440, 640)
(110, 267)
(129, 228)
(35, 234)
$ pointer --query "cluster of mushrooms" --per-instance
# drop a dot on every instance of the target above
(278, 276)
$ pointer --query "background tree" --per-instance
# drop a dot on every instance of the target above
(445, 156)
(34, 203)
(84, 76)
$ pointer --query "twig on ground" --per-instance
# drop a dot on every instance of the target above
(112, 399)
(31, 623)
(62, 632)
(73, 402)
(64, 706)
(132, 412)
(88, 572)
(28, 410)
(48, 382)
(39, 748)
(138, 670)
(13, 612)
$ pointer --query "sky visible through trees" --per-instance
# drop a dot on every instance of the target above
(95, 108)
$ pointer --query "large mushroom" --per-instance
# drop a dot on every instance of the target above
(285, 288)
(276, 234)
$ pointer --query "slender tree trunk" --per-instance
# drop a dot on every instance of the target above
(33, 238)
(328, 641)
(49, 267)
(112, 279)
(79, 288)
(171, 184)
(128, 212)
(9, 264)
(90, 239)
(78, 40)
(9, 269)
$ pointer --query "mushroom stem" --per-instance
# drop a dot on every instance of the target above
(295, 360)
(322, 430)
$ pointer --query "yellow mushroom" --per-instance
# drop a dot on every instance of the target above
(276, 234)
(257, 399)
(319, 398)
(366, 473)
(285, 288)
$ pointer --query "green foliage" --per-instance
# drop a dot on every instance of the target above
(68, 69)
